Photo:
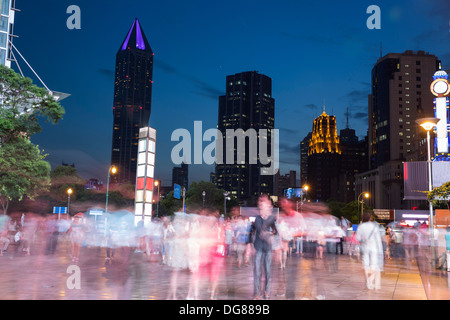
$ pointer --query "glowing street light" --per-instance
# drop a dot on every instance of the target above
(203, 195)
(112, 170)
(366, 195)
(69, 192)
(428, 124)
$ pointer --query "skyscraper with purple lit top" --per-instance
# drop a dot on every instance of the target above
(132, 101)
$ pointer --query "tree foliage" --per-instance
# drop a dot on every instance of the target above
(441, 193)
(23, 171)
(214, 199)
(23, 104)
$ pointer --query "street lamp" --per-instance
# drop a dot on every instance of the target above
(69, 192)
(225, 195)
(305, 187)
(203, 195)
(157, 204)
(428, 124)
(366, 195)
(112, 170)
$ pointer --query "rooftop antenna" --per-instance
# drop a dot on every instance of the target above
(347, 116)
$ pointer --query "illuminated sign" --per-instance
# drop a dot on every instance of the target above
(441, 89)
(145, 174)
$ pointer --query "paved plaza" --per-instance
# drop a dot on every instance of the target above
(132, 275)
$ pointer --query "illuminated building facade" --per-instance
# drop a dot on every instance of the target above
(400, 95)
(324, 136)
(247, 104)
(324, 154)
(132, 101)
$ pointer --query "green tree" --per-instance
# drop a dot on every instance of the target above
(23, 104)
(63, 178)
(23, 171)
(336, 207)
(440, 194)
(352, 211)
(214, 197)
(169, 205)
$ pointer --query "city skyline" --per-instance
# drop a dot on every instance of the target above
(313, 53)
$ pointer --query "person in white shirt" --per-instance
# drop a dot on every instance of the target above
(372, 251)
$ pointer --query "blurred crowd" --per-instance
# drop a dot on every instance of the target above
(201, 242)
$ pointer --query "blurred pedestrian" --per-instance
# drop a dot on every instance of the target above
(21, 240)
(410, 243)
(179, 258)
(447, 246)
(265, 229)
(241, 240)
(368, 234)
(52, 234)
(343, 224)
(388, 241)
(4, 234)
(77, 236)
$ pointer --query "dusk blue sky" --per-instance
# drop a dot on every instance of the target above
(314, 51)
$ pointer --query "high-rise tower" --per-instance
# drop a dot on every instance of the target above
(247, 104)
(324, 155)
(400, 95)
(132, 101)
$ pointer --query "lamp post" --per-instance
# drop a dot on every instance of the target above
(366, 195)
(305, 187)
(157, 183)
(428, 124)
(203, 195)
(69, 192)
(225, 198)
(112, 170)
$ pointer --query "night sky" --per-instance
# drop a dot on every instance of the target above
(314, 51)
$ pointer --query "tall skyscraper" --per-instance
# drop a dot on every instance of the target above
(304, 146)
(132, 101)
(324, 155)
(400, 95)
(7, 11)
(353, 160)
(247, 104)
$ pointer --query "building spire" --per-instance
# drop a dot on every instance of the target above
(347, 117)
(135, 38)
